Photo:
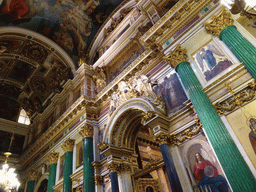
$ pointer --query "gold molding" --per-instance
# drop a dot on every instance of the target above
(53, 157)
(86, 131)
(176, 56)
(218, 23)
(68, 145)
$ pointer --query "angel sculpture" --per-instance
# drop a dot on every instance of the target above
(207, 56)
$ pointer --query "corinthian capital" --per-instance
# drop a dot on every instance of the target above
(218, 23)
(68, 145)
(114, 167)
(53, 157)
(177, 56)
(86, 131)
(162, 138)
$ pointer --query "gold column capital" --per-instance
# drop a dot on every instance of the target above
(218, 23)
(114, 167)
(68, 145)
(53, 157)
(162, 138)
(125, 167)
(98, 179)
(177, 56)
(32, 176)
(86, 131)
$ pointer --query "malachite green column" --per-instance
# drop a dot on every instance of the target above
(53, 159)
(31, 182)
(222, 26)
(68, 146)
(21, 190)
(88, 171)
(114, 167)
(233, 164)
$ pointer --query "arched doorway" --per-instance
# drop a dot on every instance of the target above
(43, 186)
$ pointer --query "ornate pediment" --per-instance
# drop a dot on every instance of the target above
(137, 87)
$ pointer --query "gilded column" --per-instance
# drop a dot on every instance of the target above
(114, 168)
(88, 171)
(229, 156)
(168, 161)
(68, 146)
(53, 159)
(222, 26)
(31, 181)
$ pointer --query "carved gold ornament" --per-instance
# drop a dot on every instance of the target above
(147, 116)
(53, 157)
(237, 100)
(162, 138)
(114, 167)
(86, 131)
(99, 78)
(218, 23)
(102, 146)
(98, 179)
(125, 167)
(68, 145)
(32, 176)
(177, 56)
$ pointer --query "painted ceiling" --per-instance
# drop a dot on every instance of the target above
(31, 70)
(72, 24)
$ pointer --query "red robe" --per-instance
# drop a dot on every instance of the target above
(17, 8)
(199, 171)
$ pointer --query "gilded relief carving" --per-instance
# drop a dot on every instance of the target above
(99, 78)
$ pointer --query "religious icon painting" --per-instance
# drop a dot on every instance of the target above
(202, 165)
(210, 60)
(79, 154)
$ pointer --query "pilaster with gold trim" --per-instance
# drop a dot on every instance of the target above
(225, 148)
(221, 25)
(53, 159)
(86, 131)
(68, 146)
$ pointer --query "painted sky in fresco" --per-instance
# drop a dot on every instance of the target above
(72, 24)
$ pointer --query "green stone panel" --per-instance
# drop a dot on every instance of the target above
(233, 164)
(31, 186)
(88, 174)
(68, 166)
(241, 48)
(52, 177)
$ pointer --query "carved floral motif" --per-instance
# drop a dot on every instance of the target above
(53, 157)
(68, 145)
(86, 131)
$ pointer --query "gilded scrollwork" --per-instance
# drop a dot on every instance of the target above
(102, 146)
(53, 157)
(86, 131)
(176, 56)
(68, 145)
(218, 23)
(99, 78)
(114, 167)
(237, 100)
(147, 116)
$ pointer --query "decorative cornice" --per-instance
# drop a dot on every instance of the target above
(68, 145)
(53, 157)
(218, 23)
(176, 56)
(86, 131)
(114, 167)
(98, 179)
(237, 100)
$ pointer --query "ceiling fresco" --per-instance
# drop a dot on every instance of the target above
(31, 73)
(72, 24)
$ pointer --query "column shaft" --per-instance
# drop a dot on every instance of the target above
(170, 168)
(233, 164)
(52, 177)
(88, 172)
(21, 190)
(31, 186)
(114, 182)
(67, 183)
(241, 48)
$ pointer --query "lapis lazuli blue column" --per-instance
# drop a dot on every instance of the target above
(170, 168)
(113, 168)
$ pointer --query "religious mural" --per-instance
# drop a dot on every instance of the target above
(172, 93)
(202, 165)
(79, 154)
(71, 24)
(243, 123)
(211, 61)
(123, 61)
